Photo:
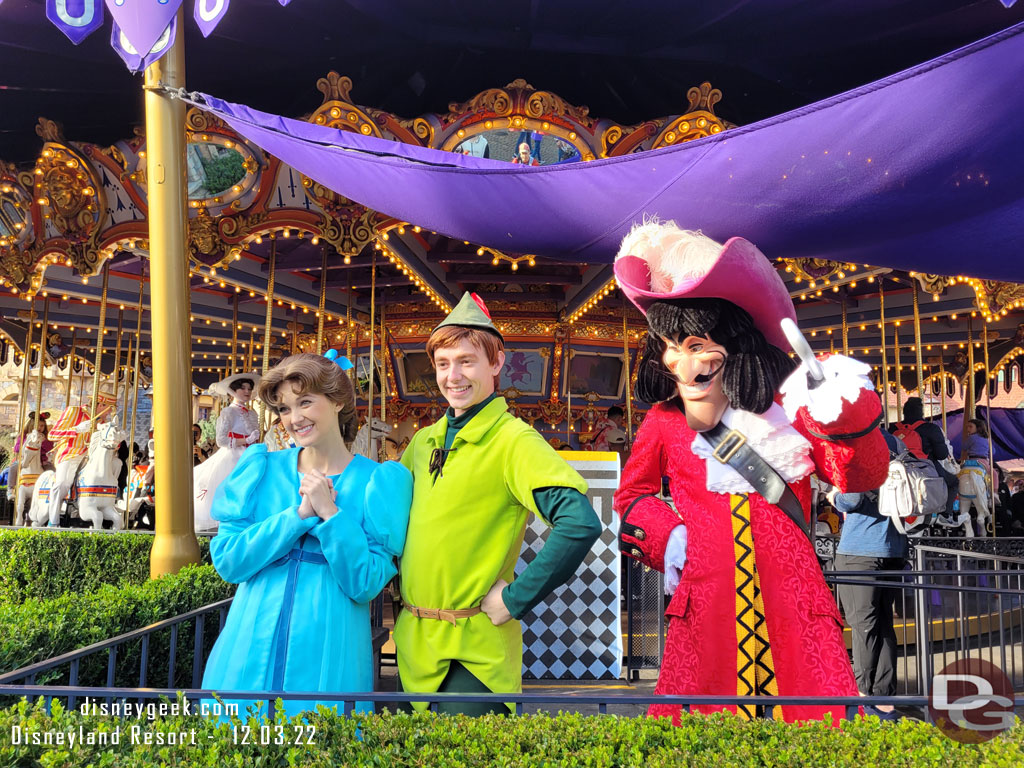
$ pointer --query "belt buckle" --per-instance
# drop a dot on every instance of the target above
(724, 452)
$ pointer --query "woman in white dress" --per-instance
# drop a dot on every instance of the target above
(237, 429)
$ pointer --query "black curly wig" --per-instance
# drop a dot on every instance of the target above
(753, 369)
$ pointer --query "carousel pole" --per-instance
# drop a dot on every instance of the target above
(267, 322)
(323, 301)
(942, 380)
(917, 343)
(23, 405)
(135, 382)
(248, 355)
(234, 336)
(629, 391)
(348, 338)
(138, 351)
(383, 370)
(846, 331)
(71, 369)
(988, 423)
(568, 385)
(42, 361)
(898, 370)
(174, 542)
(369, 386)
(117, 355)
(972, 395)
(101, 330)
(128, 360)
(885, 364)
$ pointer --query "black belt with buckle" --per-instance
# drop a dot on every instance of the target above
(729, 446)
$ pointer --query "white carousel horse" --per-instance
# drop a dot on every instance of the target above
(60, 487)
(974, 492)
(30, 467)
(96, 488)
(368, 437)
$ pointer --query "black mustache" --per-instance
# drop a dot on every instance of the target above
(704, 378)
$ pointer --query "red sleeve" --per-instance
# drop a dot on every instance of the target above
(646, 521)
(849, 453)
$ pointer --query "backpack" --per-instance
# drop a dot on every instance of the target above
(913, 490)
(910, 437)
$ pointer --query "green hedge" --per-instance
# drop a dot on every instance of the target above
(43, 564)
(535, 740)
(37, 630)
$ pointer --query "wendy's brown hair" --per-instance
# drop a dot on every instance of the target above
(313, 373)
(450, 335)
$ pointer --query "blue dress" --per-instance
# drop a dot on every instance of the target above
(300, 620)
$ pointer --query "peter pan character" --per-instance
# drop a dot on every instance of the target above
(750, 612)
(478, 473)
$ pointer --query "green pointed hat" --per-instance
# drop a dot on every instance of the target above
(471, 312)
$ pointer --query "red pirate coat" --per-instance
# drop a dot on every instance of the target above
(804, 630)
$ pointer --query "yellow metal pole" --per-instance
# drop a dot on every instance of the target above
(100, 330)
(846, 331)
(885, 364)
(917, 343)
(383, 371)
(988, 423)
(42, 361)
(568, 386)
(71, 369)
(898, 369)
(625, 362)
(174, 543)
(348, 337)
(117, 355)
(23, 404)
(127, 367)
(267, 323)
(234, 336)
(369, 386)
(252, 342)
(323, 301)
(138, 350)
(942, 379)
(972, 394)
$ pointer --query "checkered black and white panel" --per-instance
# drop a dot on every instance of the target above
(576, 632)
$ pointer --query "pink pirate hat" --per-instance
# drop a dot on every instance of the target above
(661, 261)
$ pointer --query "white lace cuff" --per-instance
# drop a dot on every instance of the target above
(675, 558)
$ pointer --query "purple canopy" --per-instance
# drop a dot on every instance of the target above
(921, 171)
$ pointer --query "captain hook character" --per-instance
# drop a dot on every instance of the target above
(738, 429)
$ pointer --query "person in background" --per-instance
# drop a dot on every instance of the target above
(975, 447)
(1017, 507)
(926, 440)
(605, 428)
(869, 542)
(198, 454)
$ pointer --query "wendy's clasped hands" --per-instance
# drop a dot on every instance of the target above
(318, 494)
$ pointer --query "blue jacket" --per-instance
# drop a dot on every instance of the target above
(300, 620)
(866, 532)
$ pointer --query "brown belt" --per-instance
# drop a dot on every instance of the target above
(442, 615)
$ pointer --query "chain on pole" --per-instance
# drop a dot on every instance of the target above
(846, 330)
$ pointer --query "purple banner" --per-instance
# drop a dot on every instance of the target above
(142, 22)
(75, 18)
(135, 61)
(208, 14)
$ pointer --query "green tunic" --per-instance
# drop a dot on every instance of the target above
(465, 532)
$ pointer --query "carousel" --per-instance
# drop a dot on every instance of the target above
(278, 264)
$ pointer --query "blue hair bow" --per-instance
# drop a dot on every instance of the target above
(343, 362)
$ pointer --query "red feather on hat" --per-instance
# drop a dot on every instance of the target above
(480, 303)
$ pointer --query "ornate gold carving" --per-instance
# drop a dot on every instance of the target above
(334, 87)
(934, 283)
(65, 187)
(813, 270)
(203, 237)
(49, 131)
(196, 120)
(703, 97)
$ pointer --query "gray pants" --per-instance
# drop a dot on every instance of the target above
(868, 610)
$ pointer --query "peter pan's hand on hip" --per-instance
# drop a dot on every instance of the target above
(494, 606)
